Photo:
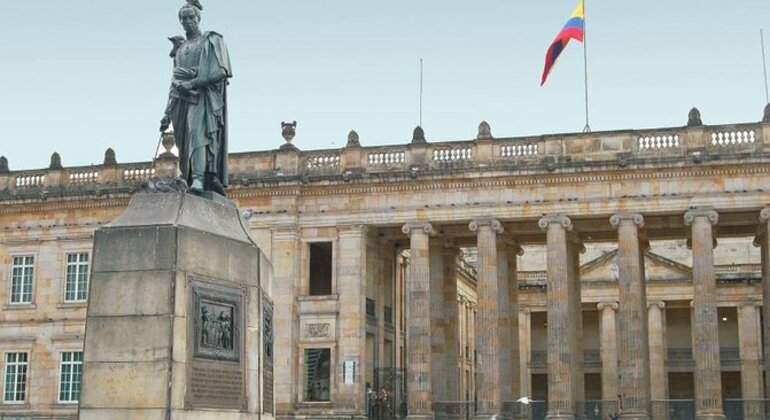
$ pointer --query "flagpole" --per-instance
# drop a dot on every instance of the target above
(764, 63)
(420, 92)
(587, 128)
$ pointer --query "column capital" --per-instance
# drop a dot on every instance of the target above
(525, 309)
(656, 303)
(486, 221)
(750, 303)
(634, 218)
(352, 230)
(555, 219)
(764, 215)
(512, 245)
(607, 305)
(711, 215)
(417, 227)
(286, 233)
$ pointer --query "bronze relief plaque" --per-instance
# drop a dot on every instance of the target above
(215, 374)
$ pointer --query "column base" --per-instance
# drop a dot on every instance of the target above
(560, 417)
(710, 417)
(487, 417)
(419, 417)
(635, 416)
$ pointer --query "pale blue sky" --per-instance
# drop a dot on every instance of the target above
(79, 76)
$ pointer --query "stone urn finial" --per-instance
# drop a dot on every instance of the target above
(288, 131)
(353, 139)
(55, 161)
(3, 165)
(485, 131)
(766, 118)
(418, 137)
(109, 157)
(693, 118)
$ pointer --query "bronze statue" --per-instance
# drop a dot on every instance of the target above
(197, 104)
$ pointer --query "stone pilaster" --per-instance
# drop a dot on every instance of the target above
(525, 349)
(286, 267)
(632, 319)
(493, 321)
(575, 248)
(564, 354)
(452, 325)
(708, 381)
(420, 395)
(749, 336)
(763, 241)
(351, 288)
(609, 355)
(656, 321)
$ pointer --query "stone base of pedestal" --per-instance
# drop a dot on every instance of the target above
(173, 328)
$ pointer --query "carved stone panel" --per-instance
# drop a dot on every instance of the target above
(318, 327)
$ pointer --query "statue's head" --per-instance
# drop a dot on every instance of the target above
(190, 17)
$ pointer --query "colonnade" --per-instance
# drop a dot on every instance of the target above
(633, 355)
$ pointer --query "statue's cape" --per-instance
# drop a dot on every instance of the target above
(214, 63)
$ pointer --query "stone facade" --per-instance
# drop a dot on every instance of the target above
(361, 240)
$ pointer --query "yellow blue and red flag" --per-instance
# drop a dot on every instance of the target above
(574, 29)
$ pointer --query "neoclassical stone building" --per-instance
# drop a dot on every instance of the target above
(594, 273)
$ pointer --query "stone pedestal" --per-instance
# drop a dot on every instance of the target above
(174, 321)
(708, 370)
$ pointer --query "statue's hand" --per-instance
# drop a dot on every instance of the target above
(164, 124)
(184, 87)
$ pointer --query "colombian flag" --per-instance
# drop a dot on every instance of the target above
(574, 29)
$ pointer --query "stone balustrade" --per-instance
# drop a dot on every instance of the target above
(549, 152)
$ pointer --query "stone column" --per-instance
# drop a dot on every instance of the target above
(632, 319)
(609, 354)
(493, 321)
(437, 323)
(763, 241)
(351, 288)
(658, 353)
(452, 325)
(749, 336)
(420, 395)
(575, 248)
(513, 251)
(708, 370)
(563, 352)
(525, 349)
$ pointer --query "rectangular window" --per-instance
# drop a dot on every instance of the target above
(320, 268)
(317, 374)
(71, 376)
(15, 377)
(21, 279)
(76, 284)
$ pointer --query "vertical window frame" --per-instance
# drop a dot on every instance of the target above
(81, 268)
(25, 383)
(75, 361)
(12, 278)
